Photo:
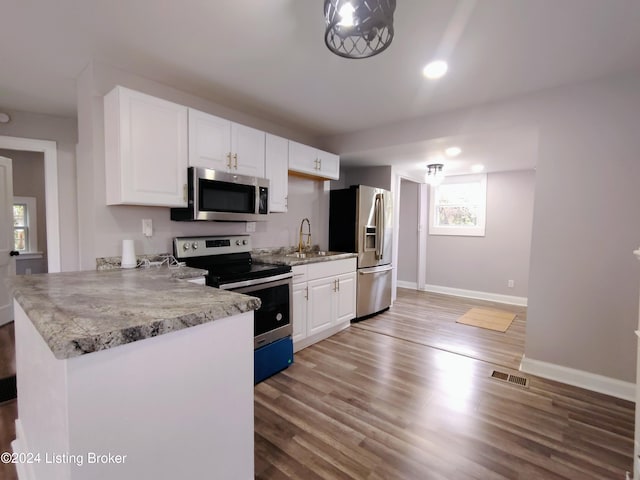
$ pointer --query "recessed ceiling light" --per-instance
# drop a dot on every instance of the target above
(477, 168)
(435, 69)
(4, 117)
(453, 151)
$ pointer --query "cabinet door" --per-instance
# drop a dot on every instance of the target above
(302, 158)
(145, 150)
(329, 165)
(321, 305)
(299, 311)
(276, 164)
(209, 141)
(247, 147)
(346, 297)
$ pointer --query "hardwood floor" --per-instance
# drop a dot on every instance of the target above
(430, 319)
(377, 402)
(366, 405)
(8, 409)
(7, 351)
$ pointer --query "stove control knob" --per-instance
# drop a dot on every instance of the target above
(194, 245)
(238, 242)
(185, 246)
(244, 242)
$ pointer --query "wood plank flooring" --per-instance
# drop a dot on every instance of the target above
(376, 402)
(376, 405)
(8, 409)
(430, 319)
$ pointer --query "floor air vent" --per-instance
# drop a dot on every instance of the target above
(506, 377)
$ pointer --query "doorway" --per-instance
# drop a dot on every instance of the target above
(410, 231)
(29, 215)
(49, 160)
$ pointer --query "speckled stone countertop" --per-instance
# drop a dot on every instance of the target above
(283, 256)
(83, 312)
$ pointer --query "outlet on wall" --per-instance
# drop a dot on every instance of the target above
(510, 283)
(147, 227)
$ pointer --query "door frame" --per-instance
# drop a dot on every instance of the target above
(50, 150)
(421, 220)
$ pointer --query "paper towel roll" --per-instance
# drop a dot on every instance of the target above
(128, 255)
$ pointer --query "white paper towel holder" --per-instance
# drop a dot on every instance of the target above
(128, 255)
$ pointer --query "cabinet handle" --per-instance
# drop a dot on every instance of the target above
(338, 283)
(229, 160)
(319, 164)
(315, 163)
(235, 159)
(306, 293)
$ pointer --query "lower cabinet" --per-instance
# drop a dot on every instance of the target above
(324, 300)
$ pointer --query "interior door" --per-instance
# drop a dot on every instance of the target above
(7, 262)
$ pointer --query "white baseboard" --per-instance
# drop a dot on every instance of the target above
(580, 378)
(492, 297)
(404, 284)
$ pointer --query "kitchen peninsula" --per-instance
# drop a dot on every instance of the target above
(132, 374)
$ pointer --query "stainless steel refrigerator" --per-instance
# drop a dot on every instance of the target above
(361, 221)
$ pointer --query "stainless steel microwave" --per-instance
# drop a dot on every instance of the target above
(222, 196)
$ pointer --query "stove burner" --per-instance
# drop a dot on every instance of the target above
(227, 259)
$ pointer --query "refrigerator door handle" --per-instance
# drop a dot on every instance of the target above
(371, 270)
(379, 216)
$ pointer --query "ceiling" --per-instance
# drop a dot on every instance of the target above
(268, 59)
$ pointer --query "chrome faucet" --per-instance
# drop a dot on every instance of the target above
(308, 235)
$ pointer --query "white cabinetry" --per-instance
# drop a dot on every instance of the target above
(324, 300)
(145, 150)
(300, 297)
(220, 144)
(345, 297)
(311, 161)
(321, 307)
(276, 162)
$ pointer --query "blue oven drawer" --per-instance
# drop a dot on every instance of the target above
(272, 358)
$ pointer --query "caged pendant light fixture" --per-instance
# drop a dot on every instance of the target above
(358, 28)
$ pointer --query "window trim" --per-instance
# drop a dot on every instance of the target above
(468, 231)
(32, 223)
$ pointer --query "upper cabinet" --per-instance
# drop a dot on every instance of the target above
(276, 161)
(311, 161)
(150, 142)
(145, 150)
(220, 144)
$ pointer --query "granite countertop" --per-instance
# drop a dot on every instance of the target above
(83, 312)
(284, 257)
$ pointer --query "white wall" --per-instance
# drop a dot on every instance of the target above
(583, 282)
(64, 131)
(102, 228)
(485, 263)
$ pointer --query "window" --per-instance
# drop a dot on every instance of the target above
(25, 233)
(457, 206)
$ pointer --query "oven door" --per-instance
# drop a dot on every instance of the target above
(272, 320)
